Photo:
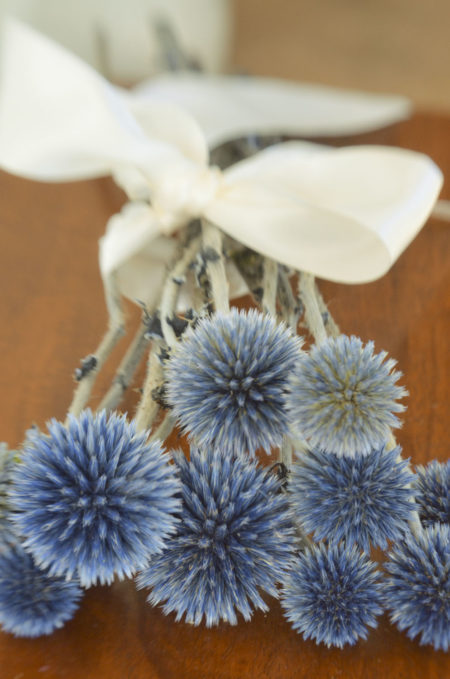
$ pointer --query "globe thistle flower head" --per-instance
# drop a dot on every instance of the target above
(227, 381)
(344, 396)
(432, 488)
(7, 461)
(31, 602)
(94, 499)
(235, 537)
(364, 500)
(332, 594)
(417, 590)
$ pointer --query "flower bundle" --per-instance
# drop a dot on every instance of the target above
(211, 535)
(98, 498)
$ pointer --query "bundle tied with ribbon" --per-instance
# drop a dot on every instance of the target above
(96, 497)
(342, 214)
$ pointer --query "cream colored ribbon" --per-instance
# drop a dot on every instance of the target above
(342, 214)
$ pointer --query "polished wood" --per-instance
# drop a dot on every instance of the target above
(52, 313)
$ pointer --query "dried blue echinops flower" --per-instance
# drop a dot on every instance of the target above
(343, 397)
(31, 602)
(417, 591)
(235, 537)
(94, 499)
(366, 500)
(7, 462)
(432, 489)
(332, 594)
(227, 381)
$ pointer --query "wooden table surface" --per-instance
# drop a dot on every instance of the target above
(52, 313)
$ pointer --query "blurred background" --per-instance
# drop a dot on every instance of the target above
(398, 46)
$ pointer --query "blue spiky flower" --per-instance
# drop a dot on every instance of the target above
(418, 587)
(365, 500)
(234, 538)
(227, 381)
(94, 499)
(333, 595)
(432, 487)
(343, 397)
(7, 537)
(31, 602)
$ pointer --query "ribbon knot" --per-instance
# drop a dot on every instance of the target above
(184, 192)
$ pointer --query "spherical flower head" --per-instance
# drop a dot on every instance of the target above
(344, 396)
(432, 488)
(333, 595)
(418, 587)
(234, 538)
(227, 381)
(7, 462)
(31, 602)
(94, 499)
(364, 500)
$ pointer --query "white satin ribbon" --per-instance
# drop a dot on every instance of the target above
(227, 107)
(342, 214)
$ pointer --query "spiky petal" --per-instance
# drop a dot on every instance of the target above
(333, 595)
(432, 488)
(418, 587)
(227, 381)
(7, 536)
(31, 602)
(235, 537)
(94, 499)
(344, 396)
(364, 500)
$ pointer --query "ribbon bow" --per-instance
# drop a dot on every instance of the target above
(342, 214)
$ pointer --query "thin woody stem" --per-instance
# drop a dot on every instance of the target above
(164, 429)
(148, 407)
(215, 266)
(313, 314)
(115, 331)
(272, 290)
(331, 326)
(290, 306)
(269, 285)
(171, 290)
(126, 369)
(285, 456)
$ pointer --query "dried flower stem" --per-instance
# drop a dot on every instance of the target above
(215, 266)
(285, 456)
(126, 370)
(115, 331)
(331, 326)
(171, 290)
(269, 285)
(165, 428)
(290, 306)
(275, 286)
(313, 314)
(148, 408)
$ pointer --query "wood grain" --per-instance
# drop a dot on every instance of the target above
(52, 314)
